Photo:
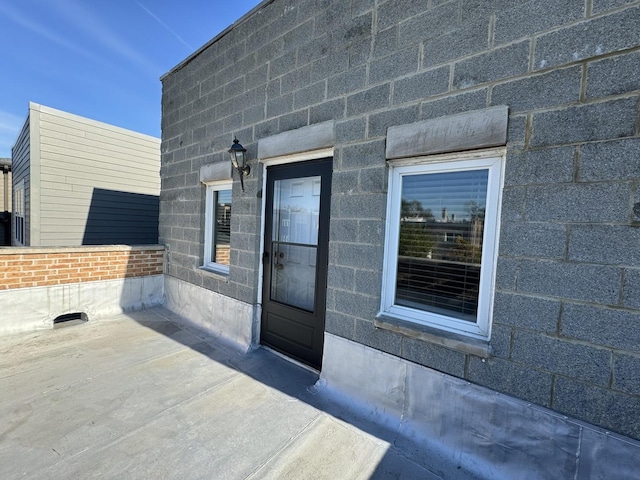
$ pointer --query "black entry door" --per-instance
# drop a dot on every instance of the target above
(298, 199)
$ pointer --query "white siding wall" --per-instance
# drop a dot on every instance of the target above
(84, 162)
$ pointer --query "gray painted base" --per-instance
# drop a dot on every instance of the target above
(225, 318)
(28, 309)
(485, 433)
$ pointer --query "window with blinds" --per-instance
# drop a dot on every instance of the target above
(442, 243)
(217, 251)
(220, 247)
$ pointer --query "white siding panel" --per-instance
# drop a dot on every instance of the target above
(100, 182)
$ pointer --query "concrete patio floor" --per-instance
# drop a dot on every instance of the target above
(140, 396)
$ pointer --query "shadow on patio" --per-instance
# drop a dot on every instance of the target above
(141, 395)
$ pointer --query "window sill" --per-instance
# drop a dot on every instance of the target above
(452, 341)
(211, 272)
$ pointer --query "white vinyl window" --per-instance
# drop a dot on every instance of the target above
(442, 233)
(19, 214)
(217, 237)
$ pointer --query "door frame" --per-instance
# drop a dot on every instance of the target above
(270, 162)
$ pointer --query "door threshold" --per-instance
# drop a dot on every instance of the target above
(292, 360)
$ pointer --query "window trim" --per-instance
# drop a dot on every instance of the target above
(209, 222)
(493, 161)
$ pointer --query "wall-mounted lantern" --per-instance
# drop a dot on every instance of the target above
(239, 160)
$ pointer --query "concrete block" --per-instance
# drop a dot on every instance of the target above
(333, 64)
(495, 65)
(560, 87)
(603, 5)
(592, 283)
(344, 230)
(383, 340)
(422, 86)
(310, 95)
(477, 129)
(631, 288)
(349, 81)
(523, 311)
(596, 202)
(615, 160)
(339, 324)
(607, 244)
(368, 282)
(379, 122)
(506, 271)
(328, 110)
(280, 105)
(525, 239)
(453, 45)
(304, 139)
(362, 155)
(365, 206)
(500, 341)
(432, 23)
(385, 42)
(613, 76)
(563, 357)
(351, 130)
(530, 18)
(585, 123)
(393, 13)
(343, 182)
(373, 180)
(611, 409)
(594, 37)
(504, 376)
(452, 104)
(359, 256)
(340, 277)
(299, 36)
(369, 100)
(517, 129)
(434, 356)
(392, 66)
(371, 231)
(295, 120)
(612, 328)
(626, 373)
(525, 167)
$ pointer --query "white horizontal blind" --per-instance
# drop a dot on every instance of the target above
(440, 242)
(222, 228)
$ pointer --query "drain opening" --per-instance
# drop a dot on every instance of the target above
(70, 319)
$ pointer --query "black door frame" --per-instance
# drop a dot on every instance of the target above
(313, 357)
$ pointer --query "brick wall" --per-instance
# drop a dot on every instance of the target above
(566, 327)
(38, 267)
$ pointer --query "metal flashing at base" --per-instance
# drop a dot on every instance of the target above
(487, 434)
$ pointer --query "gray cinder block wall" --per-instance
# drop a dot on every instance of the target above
(566, 325)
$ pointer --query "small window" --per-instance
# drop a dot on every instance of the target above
(19, 214)
(217, 238)
(442, 244)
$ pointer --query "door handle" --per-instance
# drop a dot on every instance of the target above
(279, 266)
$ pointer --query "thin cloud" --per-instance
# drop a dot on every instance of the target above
(42, 31)
(86, 21)
(166, 27)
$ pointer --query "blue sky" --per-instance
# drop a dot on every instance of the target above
(101, 59)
